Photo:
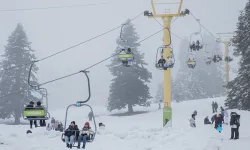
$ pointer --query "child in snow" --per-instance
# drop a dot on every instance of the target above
(192, 121)
(48, 128)
(85, 134)
(206, 121)
(53, 123)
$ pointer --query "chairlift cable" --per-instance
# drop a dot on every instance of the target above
(69, 75)
(71, 47)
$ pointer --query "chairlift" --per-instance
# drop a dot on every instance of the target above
(81, 104)
(160, 62)
(36, 113)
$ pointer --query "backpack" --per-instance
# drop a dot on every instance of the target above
(235, 119)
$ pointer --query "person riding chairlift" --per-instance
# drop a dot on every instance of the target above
(198, 46)
(161, 62)
(85, 134)
(191, 63)
(192, 46)
(127, 61)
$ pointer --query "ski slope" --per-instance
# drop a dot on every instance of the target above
(138, 132)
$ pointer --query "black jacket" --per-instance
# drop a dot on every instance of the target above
(235, 119)
(218, 120)
(206, 121)
(72, 130)
(29, 107)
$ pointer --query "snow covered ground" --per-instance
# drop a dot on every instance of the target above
(138, 132)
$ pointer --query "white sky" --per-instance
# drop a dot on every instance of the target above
(55, 29)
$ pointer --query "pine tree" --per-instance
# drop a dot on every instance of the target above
(239, 93)
(17, 52)
(129, 87)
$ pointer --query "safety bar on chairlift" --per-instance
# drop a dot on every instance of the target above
(89, 91)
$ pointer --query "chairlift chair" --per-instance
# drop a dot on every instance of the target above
(80, 104)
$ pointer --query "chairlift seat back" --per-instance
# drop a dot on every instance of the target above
(126, 56)
(191, 62)
(34, 113)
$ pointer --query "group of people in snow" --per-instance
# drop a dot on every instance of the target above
(219, 119)
(214, 107)
(38, 106)
(54, 125)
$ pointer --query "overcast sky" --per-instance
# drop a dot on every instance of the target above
(52, 30)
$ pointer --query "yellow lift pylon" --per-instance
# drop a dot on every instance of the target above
(166, 18)
(225, 38)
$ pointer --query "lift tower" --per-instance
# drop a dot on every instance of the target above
(166, 18)
(225, 38)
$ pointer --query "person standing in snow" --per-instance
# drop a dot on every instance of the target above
(53, 123)
(48, 128)
(215, 106)
(226, 117)
(90, 115)
(222, 111)
(195, 113)
(235, 124)
(192, 121)
(218, 121)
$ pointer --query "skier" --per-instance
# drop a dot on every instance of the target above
(215, 106)
(235, 124)
(86, 134)
(90, 115)
(30, 106)
(206, 121)
(70, 134)
(192, 121)
(218, 121)
(53, 123)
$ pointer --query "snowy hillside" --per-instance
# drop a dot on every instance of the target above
(138, 132)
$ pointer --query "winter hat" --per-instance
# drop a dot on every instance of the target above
(86, 123)
(38, 103)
